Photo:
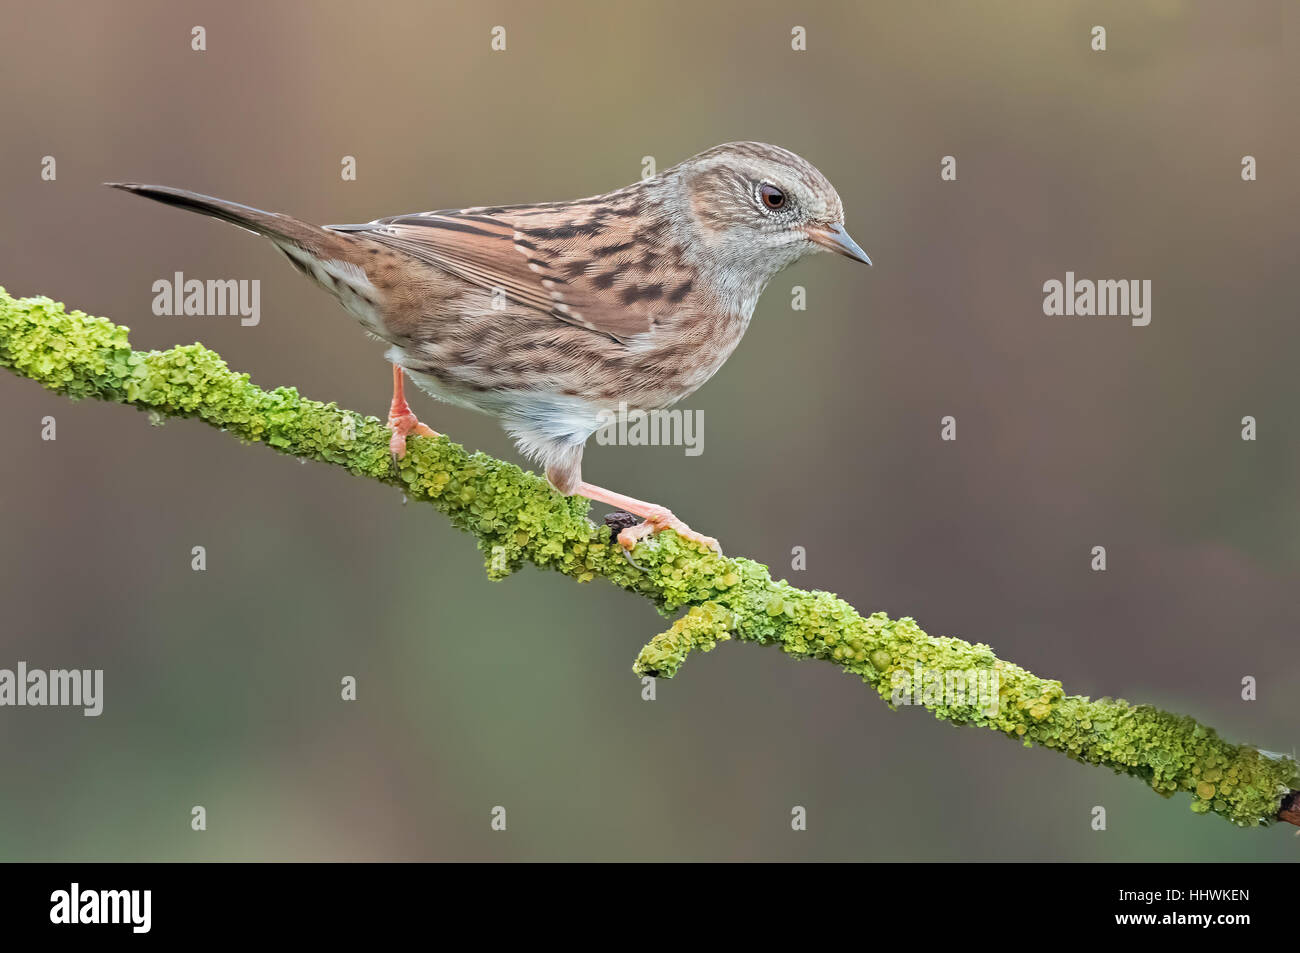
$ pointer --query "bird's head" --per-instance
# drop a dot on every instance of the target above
(759, 207)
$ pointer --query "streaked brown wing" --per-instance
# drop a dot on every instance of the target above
(576, 262)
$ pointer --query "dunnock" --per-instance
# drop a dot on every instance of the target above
(552, 316)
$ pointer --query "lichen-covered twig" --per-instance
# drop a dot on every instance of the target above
(518, 518)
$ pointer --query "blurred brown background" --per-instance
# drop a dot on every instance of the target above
(222, 688)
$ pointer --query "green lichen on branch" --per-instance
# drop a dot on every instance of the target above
(516, 518)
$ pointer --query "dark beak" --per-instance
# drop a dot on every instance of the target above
(835, 238)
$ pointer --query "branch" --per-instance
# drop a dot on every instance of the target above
(516, 518)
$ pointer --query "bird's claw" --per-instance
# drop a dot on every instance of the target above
(661, 519)
(402, 426)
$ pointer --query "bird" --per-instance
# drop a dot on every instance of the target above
(554, 316)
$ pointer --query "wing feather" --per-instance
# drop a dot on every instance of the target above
(575, 262)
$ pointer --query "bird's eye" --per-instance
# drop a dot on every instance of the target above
(773, 197)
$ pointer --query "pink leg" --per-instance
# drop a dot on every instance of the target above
(656, 518)
(401, 420)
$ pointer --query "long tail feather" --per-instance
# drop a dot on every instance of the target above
(273, 225)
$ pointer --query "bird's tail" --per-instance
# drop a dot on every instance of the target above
(281, 229)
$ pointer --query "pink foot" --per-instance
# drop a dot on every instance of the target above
(402, 426)
(401, 421)
(659, 518)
